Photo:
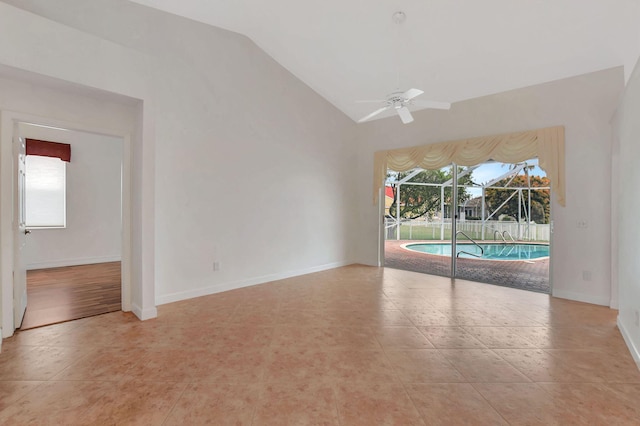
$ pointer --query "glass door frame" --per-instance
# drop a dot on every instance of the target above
(454, 218)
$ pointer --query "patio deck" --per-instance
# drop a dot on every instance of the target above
(532, 275)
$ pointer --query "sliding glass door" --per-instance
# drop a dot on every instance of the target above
(418, 220)
(503, 229)
(486, 223)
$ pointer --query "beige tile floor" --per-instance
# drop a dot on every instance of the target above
(352, 346)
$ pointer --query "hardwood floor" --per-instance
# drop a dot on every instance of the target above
(62, 294)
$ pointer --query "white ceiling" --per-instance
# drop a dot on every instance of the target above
(452, 49)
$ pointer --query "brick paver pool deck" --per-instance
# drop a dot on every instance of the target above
(525, 275)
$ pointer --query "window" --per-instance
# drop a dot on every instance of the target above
(45, 192)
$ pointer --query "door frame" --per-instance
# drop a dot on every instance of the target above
(19, 226)
(7, 184)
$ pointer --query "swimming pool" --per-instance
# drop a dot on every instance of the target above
(492, 251)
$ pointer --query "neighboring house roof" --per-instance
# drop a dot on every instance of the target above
(388, 191)
(474, 202)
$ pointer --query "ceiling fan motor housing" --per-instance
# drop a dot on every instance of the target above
(399, 17)
(396, 100)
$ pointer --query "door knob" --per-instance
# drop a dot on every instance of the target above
(27, 231)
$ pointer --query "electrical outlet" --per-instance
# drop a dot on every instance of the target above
(586, 275)
(216, 265)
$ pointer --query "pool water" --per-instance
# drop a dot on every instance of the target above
(491, 251)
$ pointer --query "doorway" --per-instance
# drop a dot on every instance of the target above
(494, 217)
(73, 263)
(11, 120)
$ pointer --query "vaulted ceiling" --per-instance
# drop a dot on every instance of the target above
(452, 49)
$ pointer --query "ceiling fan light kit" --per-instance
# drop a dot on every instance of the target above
(399, 101)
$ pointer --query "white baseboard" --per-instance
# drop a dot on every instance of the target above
(580, 297)
(204, 291)
(613, 303)
(144, 314)
(635, 351)
(72, 262)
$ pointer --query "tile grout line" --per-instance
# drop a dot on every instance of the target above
(489, 402)
(184, 389)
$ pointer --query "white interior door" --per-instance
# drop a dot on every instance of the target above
(20, 229)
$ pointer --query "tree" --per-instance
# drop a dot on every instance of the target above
(540, 202)
(421, 200)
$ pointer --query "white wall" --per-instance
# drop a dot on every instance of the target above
(93, 231)
(250, 167)
(628, 132)
(584, 105)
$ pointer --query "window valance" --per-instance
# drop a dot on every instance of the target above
(49, 149)
(546, 144)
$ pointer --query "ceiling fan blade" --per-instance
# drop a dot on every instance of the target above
(432, 104)
(412, 93)
(373, 114)
(379, 101)
(405, 115)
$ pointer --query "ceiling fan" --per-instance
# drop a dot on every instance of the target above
(399, 102)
